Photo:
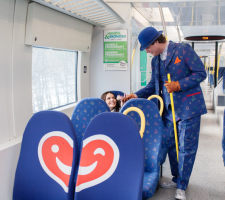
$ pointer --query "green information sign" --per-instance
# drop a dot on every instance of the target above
(143, 61)
(143, 79)
(115, 50)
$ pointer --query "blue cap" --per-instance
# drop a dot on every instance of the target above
(148, 36)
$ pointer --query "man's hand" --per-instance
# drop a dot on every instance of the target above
(128, 97)
(174, 86)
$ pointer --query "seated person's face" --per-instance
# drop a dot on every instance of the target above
(110, 100)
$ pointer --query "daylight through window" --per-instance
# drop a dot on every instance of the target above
(53, 78)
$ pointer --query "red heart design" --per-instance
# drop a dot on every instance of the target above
(99, 160)
(55, 153)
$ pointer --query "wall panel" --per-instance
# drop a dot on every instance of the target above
(54, 29)
(100, 80)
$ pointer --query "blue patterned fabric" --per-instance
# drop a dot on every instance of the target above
(84, 112)
(188, 135)
(152, 140)
(149, 180)
(223, 140)
(189, 71)
(221, 71)
(165, 95)
(117, 93)
(49, 139)
(113, 142)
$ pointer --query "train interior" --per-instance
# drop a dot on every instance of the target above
(52, 57)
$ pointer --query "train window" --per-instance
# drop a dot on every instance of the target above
(53, 78)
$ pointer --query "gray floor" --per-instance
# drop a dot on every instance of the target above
(207, 181)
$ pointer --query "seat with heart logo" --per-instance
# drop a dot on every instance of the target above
(48, 157)
(152, 141)
(112, 159)
(84, 112)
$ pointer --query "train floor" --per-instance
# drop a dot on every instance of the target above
(207, 181)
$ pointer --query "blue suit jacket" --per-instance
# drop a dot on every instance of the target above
(184, 66)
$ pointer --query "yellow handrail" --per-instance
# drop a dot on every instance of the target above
(142, 116)
(218, 66)
(132, 59)
(174, 121)
(161, 102)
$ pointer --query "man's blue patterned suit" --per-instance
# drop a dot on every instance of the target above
(184, 66)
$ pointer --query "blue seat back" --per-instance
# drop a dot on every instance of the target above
(84, 112)
(211, 79)
(117, 93)
(153, 131)
(46, 166)
(221, 71)
(112, 159)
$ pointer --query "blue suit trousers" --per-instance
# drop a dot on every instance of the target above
(188, 136)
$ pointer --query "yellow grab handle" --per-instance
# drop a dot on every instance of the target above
(218, 66)
(174, 121)
(142, 130)
(132, 59)
(161, 102)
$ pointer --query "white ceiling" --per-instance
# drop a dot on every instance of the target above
(193, 18)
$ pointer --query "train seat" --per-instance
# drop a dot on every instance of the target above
(117, 93)
(84, 112)
(163, 151)
(211, 79)
(152, 141)
(112, 159)
(48, 157)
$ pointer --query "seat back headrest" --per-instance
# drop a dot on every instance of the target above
(153, 130)
(84, 112)
(48, 157)
(112, 159)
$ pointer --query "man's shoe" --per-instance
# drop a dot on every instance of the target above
(180, 194)
(168, 184)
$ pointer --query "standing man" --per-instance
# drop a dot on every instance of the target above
(187, 72)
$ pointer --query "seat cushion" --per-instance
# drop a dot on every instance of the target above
(149, 184)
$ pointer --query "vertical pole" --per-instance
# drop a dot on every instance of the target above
(193, 45)
(205, 63)
(178, 32)
(163, 20)
(216, 63)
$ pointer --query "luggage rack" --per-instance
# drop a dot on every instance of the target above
(95, 12)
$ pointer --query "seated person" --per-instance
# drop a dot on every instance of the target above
(111, 101)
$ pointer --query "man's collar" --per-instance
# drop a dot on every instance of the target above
(163, 55)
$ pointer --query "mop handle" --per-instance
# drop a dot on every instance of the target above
(174, 121)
